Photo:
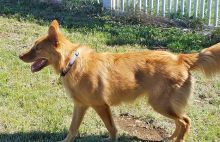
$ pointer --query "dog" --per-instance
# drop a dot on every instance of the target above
(101, 80)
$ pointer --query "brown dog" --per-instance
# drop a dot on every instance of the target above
(100, 80)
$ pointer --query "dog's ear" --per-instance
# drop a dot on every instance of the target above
(53, 32)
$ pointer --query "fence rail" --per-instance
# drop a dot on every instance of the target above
(205, 9)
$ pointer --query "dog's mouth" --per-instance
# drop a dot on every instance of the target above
(39, 64)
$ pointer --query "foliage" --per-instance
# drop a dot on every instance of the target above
(214, 37)
(78, 17)
(175, 39)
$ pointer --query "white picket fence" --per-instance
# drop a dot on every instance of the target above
(208, 9)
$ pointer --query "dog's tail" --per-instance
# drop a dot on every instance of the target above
(208, 60)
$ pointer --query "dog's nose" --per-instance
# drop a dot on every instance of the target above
(21, 56)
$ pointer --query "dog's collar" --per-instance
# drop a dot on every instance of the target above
(70, 64)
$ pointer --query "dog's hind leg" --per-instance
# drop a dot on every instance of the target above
(178, 101)
(172, 106)
(176, 132)
(78, 114)
(182, 128)
(106, 116)
(184, 123)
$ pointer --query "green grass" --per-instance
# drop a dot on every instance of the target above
(103, 29)
(34, 107)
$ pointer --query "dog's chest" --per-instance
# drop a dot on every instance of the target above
(82, 92)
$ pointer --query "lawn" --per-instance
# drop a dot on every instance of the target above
(34, 107)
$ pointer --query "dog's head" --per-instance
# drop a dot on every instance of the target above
(46, 50)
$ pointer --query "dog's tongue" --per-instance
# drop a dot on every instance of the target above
(38, 65)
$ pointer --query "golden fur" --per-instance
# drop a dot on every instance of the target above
(101, 80)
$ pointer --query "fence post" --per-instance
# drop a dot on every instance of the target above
(189, 8)
(216, 13)
(163, 8)
(116, 7)
(157, 7)
(209, 11)
(127, 5)
(122, 6)
(113, 5)
(202, 8)
(139, 5)
(169, 7)
(182, 7)
(195, 8)
(134, 5)
(145, 6)
(151, 7)
(175, 7)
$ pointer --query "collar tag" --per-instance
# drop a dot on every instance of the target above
(70, 64)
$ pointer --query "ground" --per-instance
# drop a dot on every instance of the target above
(34, 107)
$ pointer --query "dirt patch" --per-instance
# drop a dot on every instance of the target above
(144, 131)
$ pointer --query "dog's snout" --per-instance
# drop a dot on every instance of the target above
(21, 56)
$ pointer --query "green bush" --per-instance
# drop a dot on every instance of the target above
(214, 37)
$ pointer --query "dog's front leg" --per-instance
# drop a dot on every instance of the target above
(106, 116)
(78, 114)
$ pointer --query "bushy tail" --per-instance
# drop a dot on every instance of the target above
(208, 60)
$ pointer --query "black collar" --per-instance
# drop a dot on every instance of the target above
(70, 64)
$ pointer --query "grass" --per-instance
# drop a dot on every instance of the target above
(108, 32)
(34, 107)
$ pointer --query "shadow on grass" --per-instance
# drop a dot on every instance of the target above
(76, 16)
(34, 136)
(37, 136)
